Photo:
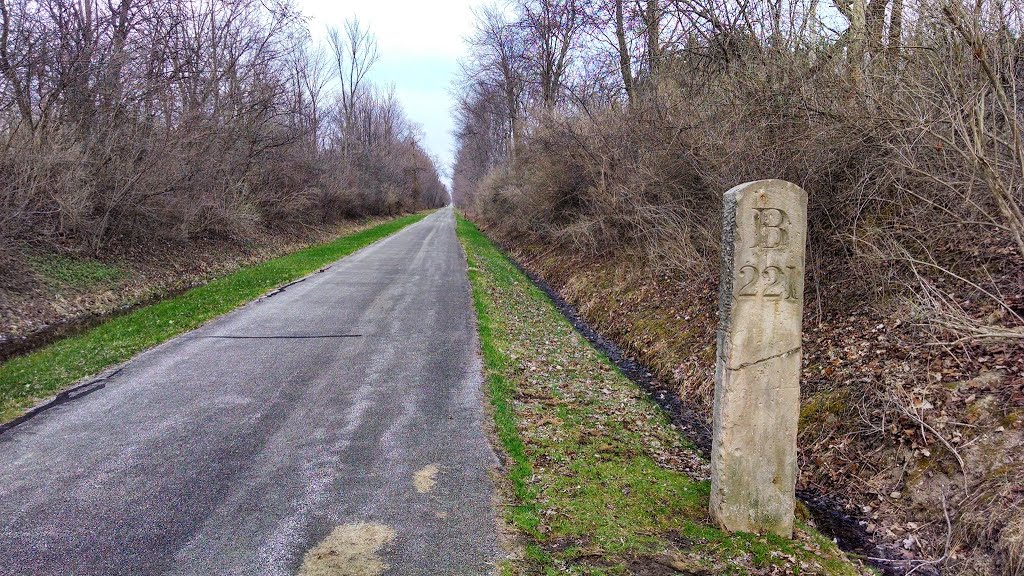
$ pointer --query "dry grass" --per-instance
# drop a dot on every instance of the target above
(901, 119)
(599, 481)
(910, 148)
(883, 412)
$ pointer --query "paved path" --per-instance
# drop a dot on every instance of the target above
(238, 447)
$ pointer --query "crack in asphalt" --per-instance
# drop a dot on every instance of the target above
(238, 455)
(279, 337)
(69, 395)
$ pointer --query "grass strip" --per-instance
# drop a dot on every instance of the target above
(599, 482)
(27, 379)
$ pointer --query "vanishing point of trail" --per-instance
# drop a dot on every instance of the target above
(346, 406)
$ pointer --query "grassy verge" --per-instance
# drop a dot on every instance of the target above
(599, 482)
(27, 379)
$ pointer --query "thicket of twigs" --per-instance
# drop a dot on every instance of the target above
(612, 128)
(127, 120)
(903, 128)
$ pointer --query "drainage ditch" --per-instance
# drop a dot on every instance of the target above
(830, 518)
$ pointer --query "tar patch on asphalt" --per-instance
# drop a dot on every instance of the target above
(425, 478)
(349, 550)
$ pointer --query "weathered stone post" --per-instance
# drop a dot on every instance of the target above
(757, 377)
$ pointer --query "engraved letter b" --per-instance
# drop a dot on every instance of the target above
(770, 228)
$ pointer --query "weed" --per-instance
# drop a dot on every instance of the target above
(75, 273)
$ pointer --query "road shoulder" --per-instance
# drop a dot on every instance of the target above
(596, 478)
(27, 381)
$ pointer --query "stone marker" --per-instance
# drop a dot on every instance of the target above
(757, 377)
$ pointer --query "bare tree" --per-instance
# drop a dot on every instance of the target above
(498, 62)
(625, 63)
(134, 119)
(355, 53)
(552, 27)
(652, 23)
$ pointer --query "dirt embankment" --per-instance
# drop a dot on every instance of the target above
(923, 442)
(49, 293)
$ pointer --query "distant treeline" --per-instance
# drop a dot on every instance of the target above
(141, 119)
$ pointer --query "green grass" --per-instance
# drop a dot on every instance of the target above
(75, 273)
(524, 510)
(598, 482)
(27, 379)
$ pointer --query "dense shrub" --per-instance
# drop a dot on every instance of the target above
(901, 120)
(138, 120)
(908, 144)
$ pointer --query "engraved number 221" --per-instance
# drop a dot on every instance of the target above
(772, 282)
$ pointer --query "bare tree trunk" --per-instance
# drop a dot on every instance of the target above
(653, 22)
(874, 22)
(776, 33)
(895, 29)
(21, 93)
(512, 104)
(857, 38)
(625, 65)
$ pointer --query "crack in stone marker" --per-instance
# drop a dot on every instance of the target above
(425, 478)
(756, 411)
(772, 357)
(349, 550)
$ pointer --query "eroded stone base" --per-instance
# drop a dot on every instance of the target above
(756, 474)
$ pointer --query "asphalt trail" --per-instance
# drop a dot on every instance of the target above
(236, 448)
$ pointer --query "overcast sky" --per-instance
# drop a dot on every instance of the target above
(420, 43)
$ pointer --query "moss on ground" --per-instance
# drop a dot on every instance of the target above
(25, 380)
(824, 404)
(598, 480)
(72, 272)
